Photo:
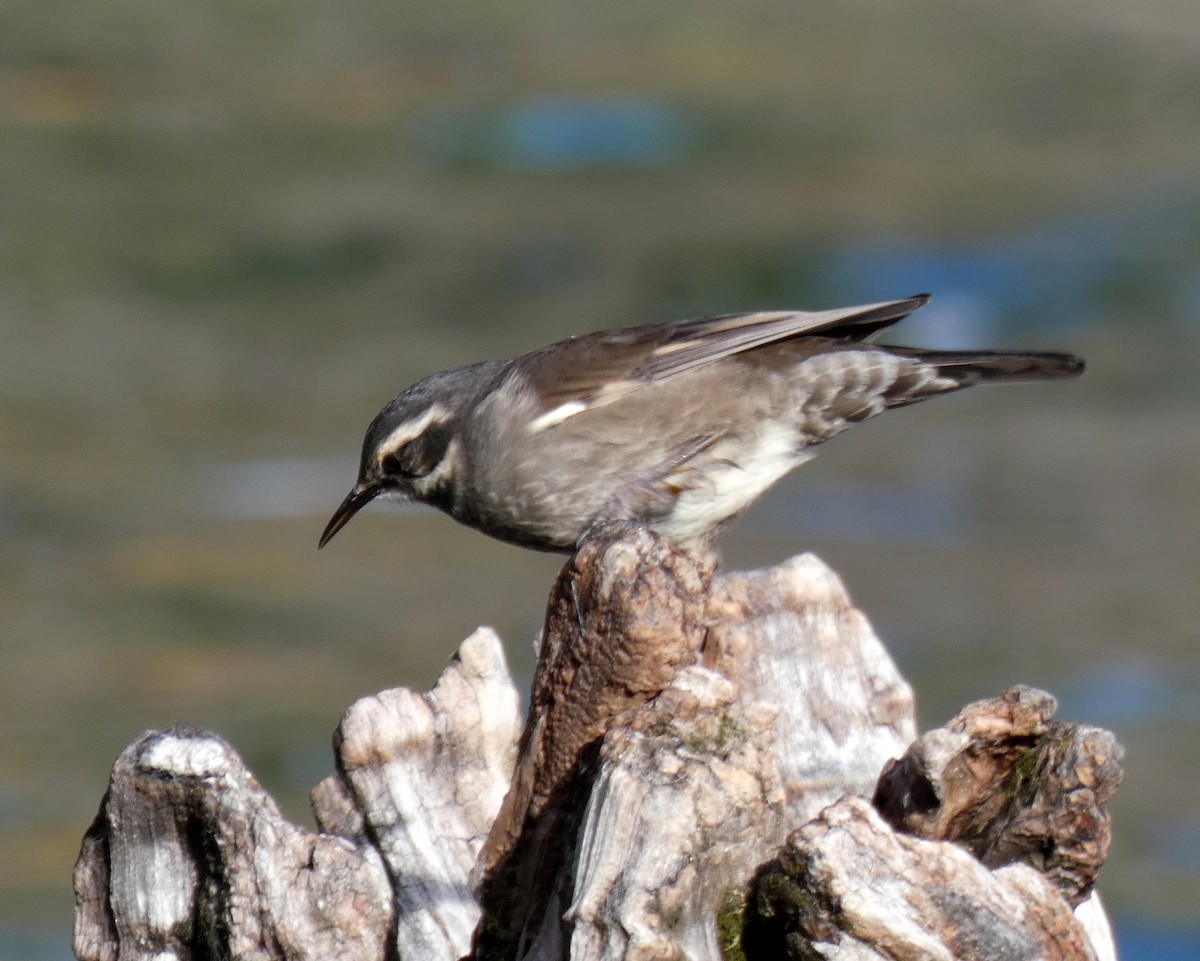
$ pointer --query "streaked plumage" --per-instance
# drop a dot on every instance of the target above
(680, 426)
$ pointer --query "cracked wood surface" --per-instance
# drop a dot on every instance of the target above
(700, 747)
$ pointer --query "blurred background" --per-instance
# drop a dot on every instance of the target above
(230, 231)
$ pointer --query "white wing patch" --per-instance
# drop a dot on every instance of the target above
(556, 415)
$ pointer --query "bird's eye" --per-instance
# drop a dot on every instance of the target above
(419, 456)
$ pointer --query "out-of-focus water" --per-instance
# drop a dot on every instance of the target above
(560, 134)
(234, 237)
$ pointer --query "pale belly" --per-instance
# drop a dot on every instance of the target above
(725, 485)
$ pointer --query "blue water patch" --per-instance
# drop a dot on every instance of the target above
(1139, 941)
(560, 134)
(29, 943)
(1190, 302)
(1175, 848)
(978, 291)
(13, 808)
(1132, 693)
(1049, 280)
(865, 512)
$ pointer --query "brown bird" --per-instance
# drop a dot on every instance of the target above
(679, 426)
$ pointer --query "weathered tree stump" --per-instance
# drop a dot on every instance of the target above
(691, 782)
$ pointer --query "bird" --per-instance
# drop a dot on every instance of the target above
(678, 426)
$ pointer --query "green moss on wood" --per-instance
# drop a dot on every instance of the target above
(731, 920)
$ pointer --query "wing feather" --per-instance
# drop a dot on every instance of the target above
(597, 369)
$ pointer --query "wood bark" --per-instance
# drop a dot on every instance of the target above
(692, 781)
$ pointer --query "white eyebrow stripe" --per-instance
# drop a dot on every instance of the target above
(411, 429)
(556, 415)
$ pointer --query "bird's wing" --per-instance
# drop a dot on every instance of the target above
(597, 369)
(651, 495)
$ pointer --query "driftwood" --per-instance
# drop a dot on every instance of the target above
(692, 782)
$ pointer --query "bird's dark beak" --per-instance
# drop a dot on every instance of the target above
(355, 501)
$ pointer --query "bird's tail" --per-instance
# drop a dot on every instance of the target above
(967, 367)
(957, 369)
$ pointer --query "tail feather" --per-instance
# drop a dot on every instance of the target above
(957, 369)
(969, 367)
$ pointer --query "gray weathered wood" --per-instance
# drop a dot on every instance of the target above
(189, 857)
(426, 775)
(699, 752)
(789, 703)
(847, 887)
(1013, 785)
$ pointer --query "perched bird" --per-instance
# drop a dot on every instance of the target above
(680, 426)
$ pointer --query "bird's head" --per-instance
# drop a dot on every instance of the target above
(408, 450)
